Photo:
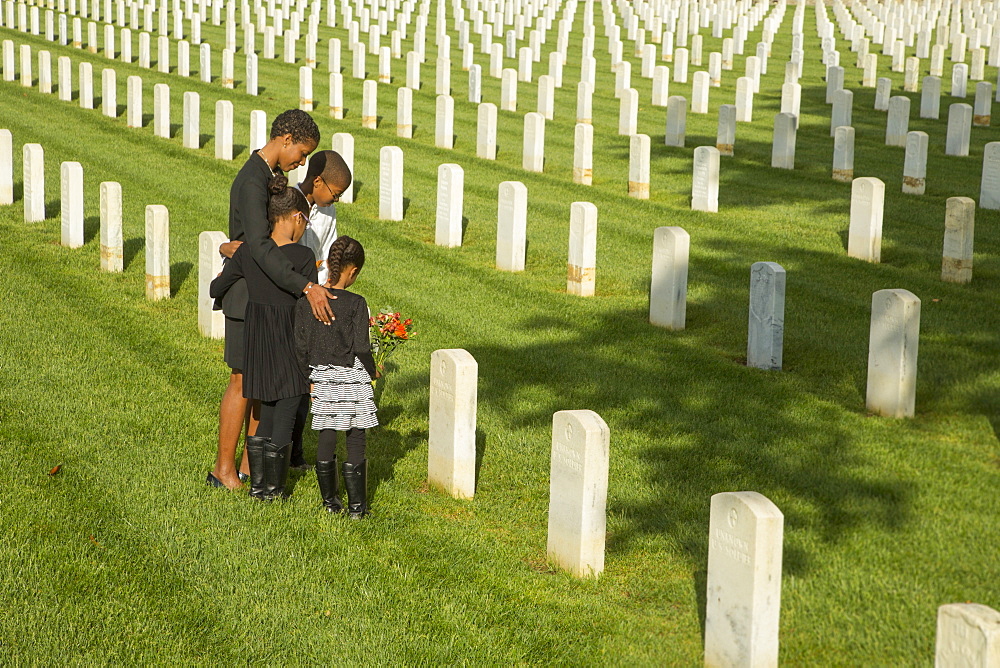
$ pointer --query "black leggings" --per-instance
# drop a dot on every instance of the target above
(277, 419)
(326, 448)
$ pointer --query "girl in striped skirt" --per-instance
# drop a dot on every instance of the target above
(337, 358)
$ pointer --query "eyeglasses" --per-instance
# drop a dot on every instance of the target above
(305, 218)
(333, 195)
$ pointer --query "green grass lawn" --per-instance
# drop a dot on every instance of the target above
(125, 556)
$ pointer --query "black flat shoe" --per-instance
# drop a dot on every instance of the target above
(212, 481)
(244, 477)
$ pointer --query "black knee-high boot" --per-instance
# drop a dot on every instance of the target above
(276, 461)
(356, 484)
(255, 457)
(328, 478)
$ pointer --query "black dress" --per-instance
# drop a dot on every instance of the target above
(270, 369)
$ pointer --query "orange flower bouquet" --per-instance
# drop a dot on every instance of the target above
(388, 332)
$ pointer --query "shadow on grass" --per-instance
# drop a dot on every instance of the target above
(179, 272)
(131, 248)
(91, 227)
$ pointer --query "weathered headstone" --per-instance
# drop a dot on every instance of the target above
(661, 85)
(783, 144)
(109, 93)
(444, 122)
(915, 163)
(450, 189)
(581, 267)
(959, 232)
(192, 120)
(984, 102)
(638, 166)
(508, 90)
(451, 438)
(86, 77)
(898, 121)
(864, 240)
(583, 154)
(743, 600)
(112, 252)
(34, 183)
(369, 104)
(959, 80)
(486, 131)
(71, 204)
(578, 491)
(584, 102)
(930, 98)
(989, 190)
(337, 95)
(766, 331)
(305, 88)
(65, 76)
(211, 323)
(726, 134)
(699, 93)
(705, 181)
(404, 113)
(744, 100)
(533, 159)
(791, 99)
(343, 143)
(390, 188)
(512, 220)
(224, 130)
(6, 167)
(157, 252)
(892, 353)
(968, 634)
(843, 110)
(883, 91)
(959, 129)
(668, 288)
(676, 121)
(628, 112)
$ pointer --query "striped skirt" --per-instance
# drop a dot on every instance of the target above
(342, 397)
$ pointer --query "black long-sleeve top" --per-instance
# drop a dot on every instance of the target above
(341, 341)
(261, 289)
(248, 199)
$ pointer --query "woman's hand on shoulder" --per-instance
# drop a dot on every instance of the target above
(229, 248)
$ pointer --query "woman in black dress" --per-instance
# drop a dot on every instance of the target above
(271, 374)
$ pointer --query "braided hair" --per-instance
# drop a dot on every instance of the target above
(296, 123)
(283, 201)
(345, 252)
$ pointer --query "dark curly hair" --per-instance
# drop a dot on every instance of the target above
(345, 252)
(296, 123)
(284, 200)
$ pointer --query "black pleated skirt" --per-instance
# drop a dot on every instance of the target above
(270, 370)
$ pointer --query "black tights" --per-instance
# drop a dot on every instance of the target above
(277, 419)
(326, 448)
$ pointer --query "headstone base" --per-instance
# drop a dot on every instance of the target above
(638, 190)
(954, 270)
(843, 175)
(981, 121)
(725, 149)
(913, 185)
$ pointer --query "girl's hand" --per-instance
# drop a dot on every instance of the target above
(228, 249)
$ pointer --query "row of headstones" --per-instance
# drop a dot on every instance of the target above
(557, 58)
(191, 132)
(746, 529)
(910, 34)
(72, 214)
(842, 100)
